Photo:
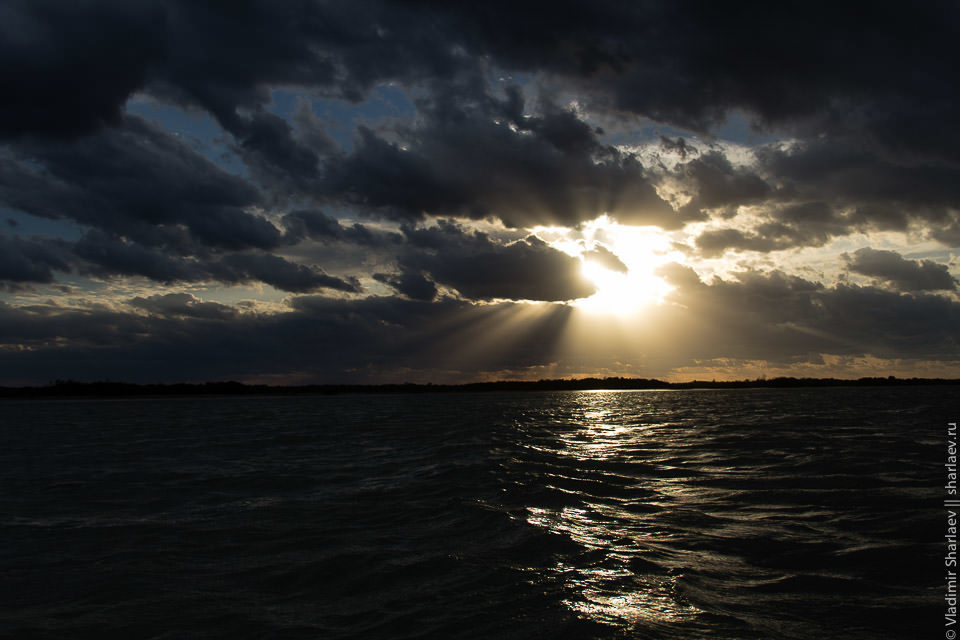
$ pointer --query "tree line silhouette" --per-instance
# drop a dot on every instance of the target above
(70, 388)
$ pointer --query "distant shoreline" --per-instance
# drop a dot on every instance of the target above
(106, 389)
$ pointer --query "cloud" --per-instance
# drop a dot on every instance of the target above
(280, 273)
(678, 275)
(779, 317)
(103, 255)
(715, 242)
(95, 54)
(138, 181)
(678, 146)
(541, 165)
(948, 234)
(811, 224)
(768, 316)
(605, 258)
(39, 326)
(269, 149)
(324, 339)
(827, 189)
(902, 274)
(524, 169)
(182, 305)
(481, 269)
(311, 130)
(824, 189)
(23, 260)
(413, 285)
(881, 191)
(316, 225)
(718, 184)
(687, 66)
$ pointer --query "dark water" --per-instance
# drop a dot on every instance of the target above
(691, 514)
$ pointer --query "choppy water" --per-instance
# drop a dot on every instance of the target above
(800, 513)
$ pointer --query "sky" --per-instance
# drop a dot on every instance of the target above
(411, 191)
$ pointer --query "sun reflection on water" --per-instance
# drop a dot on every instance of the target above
(623, 575)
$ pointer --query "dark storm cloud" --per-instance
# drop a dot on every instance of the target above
(831, 188)
(902, 274)
(158, 210)
(46, 325)
(811, 224)
(717, 184)
(282, 156)
(221, 57)
(328, 340)
(486, 159)
(104, 255)
(311, 224)
(479, 268)
(681, 64)
(778, 317)
(813, 67)
(773, 297)
(107, 256)
(23, 260)
(182, 304)
(280, 273)
(66, 69)
(881, 192)
(316, 225)
(948, 234)
(311, 130)
(770, 316)
(413, 285)
(715, 242)
(139, 181)
(269, 149)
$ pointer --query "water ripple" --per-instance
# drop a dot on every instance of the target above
(695, 514)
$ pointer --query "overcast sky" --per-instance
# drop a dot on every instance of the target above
(294, 192)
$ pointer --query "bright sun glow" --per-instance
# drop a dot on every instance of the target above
(640, 249)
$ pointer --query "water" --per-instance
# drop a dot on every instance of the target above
(796, 513)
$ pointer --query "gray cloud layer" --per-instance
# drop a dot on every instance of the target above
(771, 316)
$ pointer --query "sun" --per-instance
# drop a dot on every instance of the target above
(622, 294)
(616, 292)
(620, 260)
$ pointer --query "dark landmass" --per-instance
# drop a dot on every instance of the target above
(106, 389)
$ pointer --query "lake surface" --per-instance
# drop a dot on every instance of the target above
(795, 513)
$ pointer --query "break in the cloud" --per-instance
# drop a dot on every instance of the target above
(437, 175)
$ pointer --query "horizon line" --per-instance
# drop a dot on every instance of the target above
(58, 388)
